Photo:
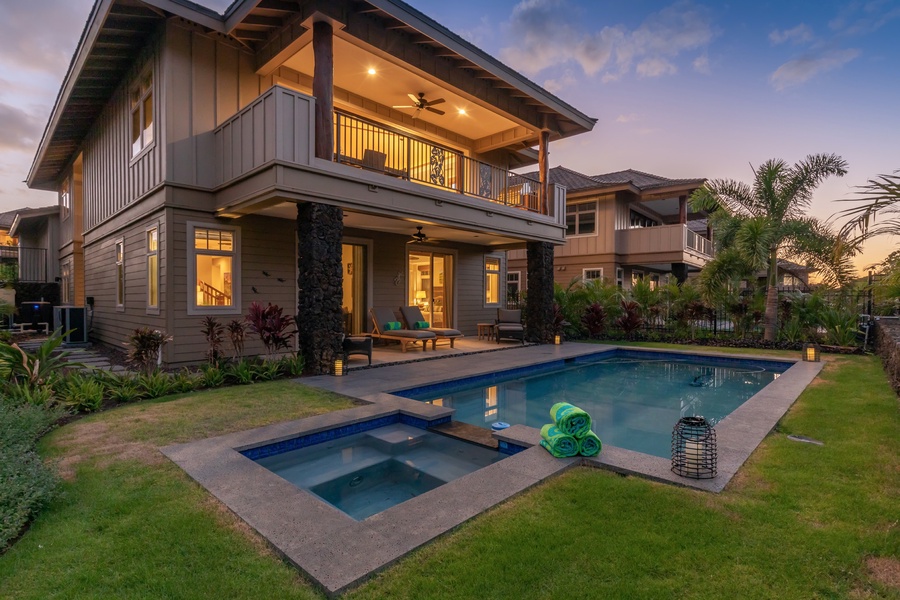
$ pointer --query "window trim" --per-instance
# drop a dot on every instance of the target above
(499, 272)
(518, 282)
(152, 309)
(577, 220)
(620, 277)
(119, 258)
(65, 198)
(192, 308)
(586, 269)
(65, 278)
(145, 146)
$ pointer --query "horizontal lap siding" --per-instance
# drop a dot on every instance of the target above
(111, 326)
(267, 244)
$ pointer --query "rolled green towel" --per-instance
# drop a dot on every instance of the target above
(558, 443)
(571, 419)
(589, 445)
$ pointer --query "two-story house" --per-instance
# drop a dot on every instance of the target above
(624, 226)
(286, 152)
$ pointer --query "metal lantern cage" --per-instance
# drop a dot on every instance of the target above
(694, 448)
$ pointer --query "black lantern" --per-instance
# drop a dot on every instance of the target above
(811, 352)
(694, 448)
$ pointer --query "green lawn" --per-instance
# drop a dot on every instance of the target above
(799, 521)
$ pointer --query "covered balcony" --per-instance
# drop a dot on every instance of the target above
(664, 244)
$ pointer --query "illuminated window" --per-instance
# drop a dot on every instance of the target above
(214, 261)
(142, 114)
(491, 281)
(491, 409)
(65, 279)
(120, 274)
(581, 218)
(153, 268)
(636, 276)
(513, 286)
(65, 199)
(591, 274)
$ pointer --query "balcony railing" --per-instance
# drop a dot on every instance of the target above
(676, 240)
(372, 146)
(33, 265)
(697, 242)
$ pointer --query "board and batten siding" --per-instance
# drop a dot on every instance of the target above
(113, 178)
(112, 326)
(208, 80)
(267, 246)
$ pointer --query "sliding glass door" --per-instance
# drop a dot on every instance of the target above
(353, 258)
(430, 277)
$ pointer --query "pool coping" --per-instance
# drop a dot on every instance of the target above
(337, 553)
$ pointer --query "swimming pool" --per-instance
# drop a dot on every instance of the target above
(634, 397)
(365, 473)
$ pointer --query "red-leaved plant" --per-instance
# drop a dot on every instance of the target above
(272, 326)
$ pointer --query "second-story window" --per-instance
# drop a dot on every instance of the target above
(142, 114)
(581, 218)
(65, 198)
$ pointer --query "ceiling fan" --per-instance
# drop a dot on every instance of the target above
(420, 103)
(418, 237)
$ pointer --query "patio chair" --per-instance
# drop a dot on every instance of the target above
(413, 315)
(357, 344)
(383, 318)
(509, 325)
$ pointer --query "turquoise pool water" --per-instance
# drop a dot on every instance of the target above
(635, 398)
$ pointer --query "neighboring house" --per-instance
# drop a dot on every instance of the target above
(624, 226)
(37, 231)
(790, 277)
(286, 152)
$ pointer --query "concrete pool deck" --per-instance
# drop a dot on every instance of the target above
(337, 552)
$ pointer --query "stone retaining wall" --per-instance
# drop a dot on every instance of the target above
(887, 344)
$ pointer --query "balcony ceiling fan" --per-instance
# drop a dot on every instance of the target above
(420, 103)
(419, 236)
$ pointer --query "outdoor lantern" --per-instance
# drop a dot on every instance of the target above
(811, 352)
(557, 339)
(694, 448)
(339, 367)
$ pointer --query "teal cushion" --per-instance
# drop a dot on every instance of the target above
(421, 325)
(392, 326)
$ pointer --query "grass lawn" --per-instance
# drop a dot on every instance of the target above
(799, 520)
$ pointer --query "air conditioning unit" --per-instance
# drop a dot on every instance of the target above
(74, 320)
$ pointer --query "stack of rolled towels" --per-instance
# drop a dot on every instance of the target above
(570, 432)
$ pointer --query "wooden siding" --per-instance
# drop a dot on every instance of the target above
(208, 80)
(113, 179)
(110, 325)
(266, 245)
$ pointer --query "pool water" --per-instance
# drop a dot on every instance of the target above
(366, 473)
(635, 399)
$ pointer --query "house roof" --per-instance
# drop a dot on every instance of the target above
(116, 31)
(7, 218)
(25, 215)
(638, 181)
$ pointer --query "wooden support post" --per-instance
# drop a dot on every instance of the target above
(682, 209)
(544, 171)
(323, 88)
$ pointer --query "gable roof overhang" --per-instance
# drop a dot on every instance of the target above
(29, 218)
(116, 30)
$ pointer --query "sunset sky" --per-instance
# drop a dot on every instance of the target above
(683, 90)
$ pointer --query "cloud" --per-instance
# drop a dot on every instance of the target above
(548, 33)
(556, 85)
(799, 70)
(701, 64)
(800, 34)
(858, 18)
(627, 118)
(21, 131)
(41, 39)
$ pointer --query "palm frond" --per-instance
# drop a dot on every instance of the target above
(733, 196)
(805, 176)
(883, 195)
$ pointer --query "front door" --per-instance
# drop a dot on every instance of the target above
(430, 277)
(353, 257)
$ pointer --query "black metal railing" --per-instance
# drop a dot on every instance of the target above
(369, 145)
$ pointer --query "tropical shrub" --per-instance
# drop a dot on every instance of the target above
(840, 326)
(144, 345)
(211, 376)
(81, 393)
(213, 330)
(122, 388)
(242, 372)
(236, 335)
(267, 370)
(272, 326)
(594, 319)
(28, 483)
(793, 331)
(40, 367)
(630, 320)
(155, 384)
(292, 365)
(186, 381)
(18, 393)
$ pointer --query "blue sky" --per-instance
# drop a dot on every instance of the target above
(683, 89)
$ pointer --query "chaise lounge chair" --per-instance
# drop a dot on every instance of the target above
(509, 325)
(382, 316)
(413, 315)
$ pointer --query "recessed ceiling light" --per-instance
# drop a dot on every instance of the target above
(372, 70)
(462, 111)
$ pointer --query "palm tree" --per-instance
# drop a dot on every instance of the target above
(769, 215)
(883, 194)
